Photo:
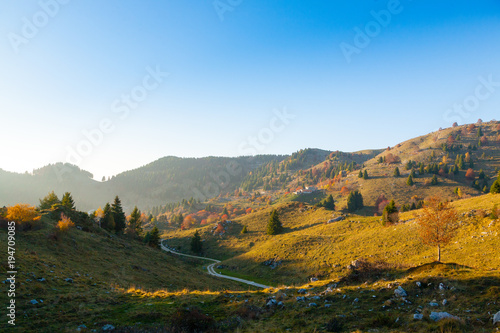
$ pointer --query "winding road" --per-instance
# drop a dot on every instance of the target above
(211, 270)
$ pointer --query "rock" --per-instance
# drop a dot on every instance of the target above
(442, 286)
(418, 316)
(302, 291)
(317, 298)
(108, 327)
(312, 305)
(328, 305)
(34, 302)
(433, 304)
(41, 279)
(313, 279)
(301, 299)
(356, 300)
(81, 327)
(400, 292)
(70, 280)
(437, 316)
(271, 303)
(419, 284)
(444, 302)
(281, 304)
(496, 318)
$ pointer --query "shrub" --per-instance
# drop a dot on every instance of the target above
(64, 223)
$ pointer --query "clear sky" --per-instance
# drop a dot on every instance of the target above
(344, 75)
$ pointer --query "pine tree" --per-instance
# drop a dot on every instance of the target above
(396, 172)
(118, 215)
(135, 221)
(365, 174)
(67, 201)
(108, 221)
(244, 230)
(354, 201)
(410, 181)
(360, 174)
(274, 225)
(196, 244)
(434, 180)
(390, 214)
(154, 237)
(328, 203)
(495, 188)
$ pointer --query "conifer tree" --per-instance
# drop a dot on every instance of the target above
(154, 237)
(196, 244)
(118, 215)
(434, 180)
(365, 174)
(67, 201)
(135, 221)
(274, 225)
(390, 214)
(396, 172)
(49, 200)
(108, 221)
(360, 174)
(354, 201)
(495, 188)
(410, 181)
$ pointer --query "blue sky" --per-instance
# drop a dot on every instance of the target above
(228, 78)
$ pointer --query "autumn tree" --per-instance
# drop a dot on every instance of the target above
(65, 223)
(67, 201)
(274, 225)
(49, 200)
(470, 174)
(22, 213)
(438, 223)
(344, 191)
(196, 244)
(118, 215)
(381, 202)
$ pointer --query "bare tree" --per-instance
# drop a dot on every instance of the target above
(438, 223)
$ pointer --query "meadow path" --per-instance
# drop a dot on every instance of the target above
(211, 270)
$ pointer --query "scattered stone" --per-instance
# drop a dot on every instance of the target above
(444, 302)
(312, 305)
(70, 280)
(328, 305)
(419, 284)
(34, 302)
(41, 279)
(301, 299)
(400, 292)
(418, 316)
(281, 304)
(108, 327)
(437, 316)
(442, 286)
(433, 304)
(81, 327)
(496, 318)
(356, 300)
(317, 298)
(314, 279)
(302, 291)
(271, 303)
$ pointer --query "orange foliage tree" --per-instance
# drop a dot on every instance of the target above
(438, 223)
(470, 174)
(344, 191)
(65, 223)
(22, 213)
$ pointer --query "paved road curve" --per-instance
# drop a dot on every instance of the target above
(211, 269)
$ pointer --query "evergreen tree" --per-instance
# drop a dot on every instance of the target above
(67, 201)
(135, 221)
(274, 225)
(108, 221)
(328, 203)
(365, 174)
(196, 244)
(118, 215)
(396, 172)
(410, 181)
(154, 237)
(495, 188)
(244, 230)
(390, 214)
(360, 174)
(49, 200)
(479, 132)
(354, 201)
(434, 180)
(421, 169)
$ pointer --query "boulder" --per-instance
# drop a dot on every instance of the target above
(437, 316)
(496, 318)
(301, 299)
(70, 280)
(418, 316)
(108, 327)
(400, 292)
(442, 286)
(419, 284)
(444, 302)
(312, 305)
(302, 291)
(433, 304)
(34, 302)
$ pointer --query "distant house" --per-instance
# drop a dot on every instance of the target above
(307, 190)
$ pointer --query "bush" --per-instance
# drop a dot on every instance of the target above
(25, 216)
(64, 223)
